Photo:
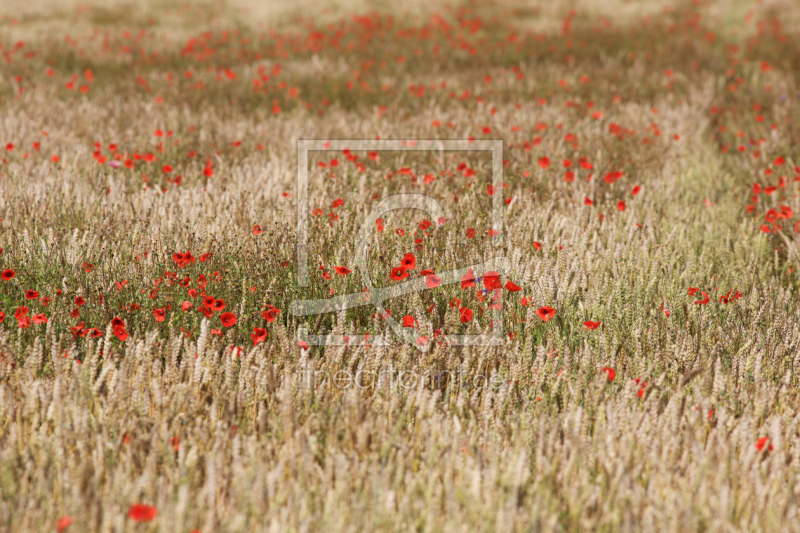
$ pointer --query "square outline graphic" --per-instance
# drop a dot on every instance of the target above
(304, 146)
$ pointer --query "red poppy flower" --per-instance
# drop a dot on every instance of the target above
(771, 216)
(7, 274)
(217, 305)
(160, 314)
(343, 271)
(704, 301)
(63, 523)
(470, 233)
(621, 205)
(303, 345)
(636, 190)
(77, 330)
(591, 325)
(546, 313)
(142, 513)
(228, 319)
(588, 201)
(544, 162)
(94, 332)
(21, 312)
(39, 319)
(31, 295)
(259, 335)
(693, 290)
(2, 316)
(409, 262)
(491, 280)
(760, 443)
(537, 245)
(433, 281)
(120, 333)
(256, 230)
(465, 314)
(610, 372)
(270, 313)
(183, 259)
(525, 301)
(512, 287)
(79, 301)
(408, 321)
(468, 279)
(399, 273)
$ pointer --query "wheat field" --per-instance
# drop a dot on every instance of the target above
(644, 376)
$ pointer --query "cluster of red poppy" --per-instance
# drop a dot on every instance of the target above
(724, 299)
(491, 282)
(23, 320)
(183, 259)
(772, 216)
(80, 330)
(118, 327)
(409, 262)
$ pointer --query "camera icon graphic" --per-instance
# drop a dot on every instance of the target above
(373, 296)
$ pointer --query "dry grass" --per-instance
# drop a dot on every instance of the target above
(221, 439)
